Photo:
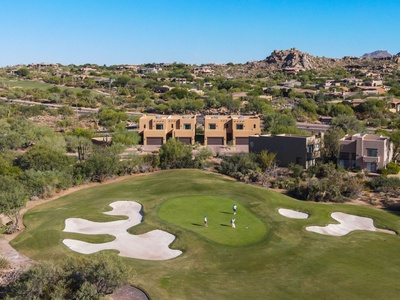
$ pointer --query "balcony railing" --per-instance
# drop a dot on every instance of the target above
(371, 159)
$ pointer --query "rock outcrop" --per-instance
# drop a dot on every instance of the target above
(293, 58)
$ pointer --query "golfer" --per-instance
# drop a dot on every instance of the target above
(205, 221)
(233, 223)
(234, 209)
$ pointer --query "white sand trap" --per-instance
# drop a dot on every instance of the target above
(152, 245)
(289, 213)
(348, 223)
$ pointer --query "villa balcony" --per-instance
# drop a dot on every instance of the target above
(371, 159)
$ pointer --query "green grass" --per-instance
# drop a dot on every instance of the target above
(188, 212)
(33, 84)
(279, 259)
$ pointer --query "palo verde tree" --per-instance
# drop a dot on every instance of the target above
(174, 155)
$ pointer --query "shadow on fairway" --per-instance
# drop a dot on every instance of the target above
(225, 212)
(195, 224)
(224, 225)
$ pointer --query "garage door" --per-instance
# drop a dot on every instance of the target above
(242, 141)
(215, 141)
(154, 141)
(185, 140)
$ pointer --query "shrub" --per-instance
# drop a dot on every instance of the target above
(4, 263)
(389, 185)
(393, 168)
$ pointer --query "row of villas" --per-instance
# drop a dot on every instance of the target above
(362, 151)
(218, 130)
(369, 152)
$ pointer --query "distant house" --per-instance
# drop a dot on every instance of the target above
(367, 90)
(369, 152)
(148, 70)
(374, 83)
(289, 148)
(394, 105)
(161, 89)
(328, 84)
(290, 83)
(352, 81)
(128, 67)
(179, 80)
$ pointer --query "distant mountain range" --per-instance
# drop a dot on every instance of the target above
(377, 54)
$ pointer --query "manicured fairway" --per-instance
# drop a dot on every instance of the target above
(33, 84)
(277, 259)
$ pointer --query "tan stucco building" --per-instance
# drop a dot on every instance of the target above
(365, 151)
(155, 130)
(220, 130)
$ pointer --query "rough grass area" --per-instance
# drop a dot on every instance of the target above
(280, 259)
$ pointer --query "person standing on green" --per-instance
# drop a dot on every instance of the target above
(233, 223)
(234, 209)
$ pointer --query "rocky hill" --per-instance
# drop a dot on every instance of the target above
(377, 54)
(293, 60)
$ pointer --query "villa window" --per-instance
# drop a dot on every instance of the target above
(372, 152)
(159, 126)
(187, 126)
(239, 126)
(212, 126)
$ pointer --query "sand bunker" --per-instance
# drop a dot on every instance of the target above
(292, 213)
(347, 224)
(152, 245)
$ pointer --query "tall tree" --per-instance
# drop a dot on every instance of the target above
(331, 148)
(349, 124)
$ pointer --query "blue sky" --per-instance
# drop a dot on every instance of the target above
(221, 31)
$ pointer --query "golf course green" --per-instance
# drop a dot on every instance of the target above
(188, 212)
(267, 255)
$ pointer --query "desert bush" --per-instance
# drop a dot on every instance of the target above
(4, 263)
(389, 185)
